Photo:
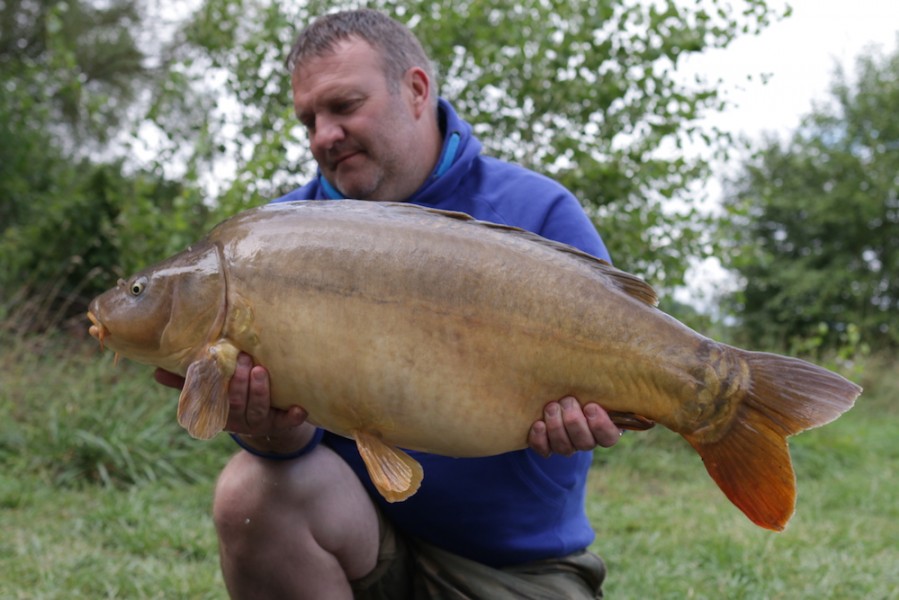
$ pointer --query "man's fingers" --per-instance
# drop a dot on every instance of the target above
(537, 439)
(579, 433)
(240, 383)
(168, 378)
(559, 442)
(237, 394)
(567, 427)
(603, 430)
(258, 397)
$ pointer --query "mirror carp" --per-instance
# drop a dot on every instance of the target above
(406, 327)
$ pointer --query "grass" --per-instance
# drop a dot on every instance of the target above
(103, 496)
(147, 541)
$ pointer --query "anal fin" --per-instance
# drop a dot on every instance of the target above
(396, 474)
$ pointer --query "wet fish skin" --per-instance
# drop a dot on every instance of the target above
(406, 327)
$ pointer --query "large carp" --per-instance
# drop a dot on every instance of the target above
(404, 327)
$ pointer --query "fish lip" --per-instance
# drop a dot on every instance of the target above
(98, 330)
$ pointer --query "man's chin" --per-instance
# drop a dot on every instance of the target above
(356, 190)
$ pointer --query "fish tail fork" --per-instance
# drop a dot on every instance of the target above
(751, 462)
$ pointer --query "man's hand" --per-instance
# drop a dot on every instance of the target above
(249, 396)
(251, 413)
(566, 428)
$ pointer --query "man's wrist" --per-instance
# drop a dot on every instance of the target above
(276, 449)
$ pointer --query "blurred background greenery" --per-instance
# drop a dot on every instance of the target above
(129, 127)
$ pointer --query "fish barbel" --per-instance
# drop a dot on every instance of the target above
(405, 327)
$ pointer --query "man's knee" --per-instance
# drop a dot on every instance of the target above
(262, 491)
(311, 511)
(238, 495)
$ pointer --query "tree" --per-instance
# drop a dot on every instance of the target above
(586, 91)
(79, 59)
(814, 232)
(70, 70)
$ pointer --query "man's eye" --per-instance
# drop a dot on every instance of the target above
(346, 107)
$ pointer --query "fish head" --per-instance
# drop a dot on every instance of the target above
(165, 314)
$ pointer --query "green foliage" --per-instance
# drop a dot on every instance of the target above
(80, 60)
(245, 118)
(29, 165)
(814, 231)
(69, 71)
(584, 91)
(89, 226)
(79, 420)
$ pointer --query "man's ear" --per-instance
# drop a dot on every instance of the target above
(417, 85)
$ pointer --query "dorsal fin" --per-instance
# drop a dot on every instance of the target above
(628, 283)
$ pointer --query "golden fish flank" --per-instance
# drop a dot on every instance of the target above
(404, 327)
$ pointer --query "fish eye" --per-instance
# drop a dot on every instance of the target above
(137, 286)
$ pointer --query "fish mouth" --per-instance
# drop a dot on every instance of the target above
(98, 330)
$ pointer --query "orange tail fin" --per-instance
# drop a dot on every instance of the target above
(751, 461)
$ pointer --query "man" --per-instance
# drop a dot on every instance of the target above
(296, 514)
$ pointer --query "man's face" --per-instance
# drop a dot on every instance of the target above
(360, 133)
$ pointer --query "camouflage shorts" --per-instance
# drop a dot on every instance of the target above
(412, 570)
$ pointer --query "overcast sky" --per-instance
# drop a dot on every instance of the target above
(799, 53)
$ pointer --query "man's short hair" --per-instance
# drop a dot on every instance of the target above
(400, 50)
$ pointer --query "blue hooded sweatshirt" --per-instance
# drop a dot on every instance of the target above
(515, 507)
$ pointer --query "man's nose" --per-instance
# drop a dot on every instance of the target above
(327, 132)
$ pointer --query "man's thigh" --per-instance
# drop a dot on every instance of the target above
(408, 569)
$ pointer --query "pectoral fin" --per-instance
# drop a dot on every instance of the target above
(203, 405)
(396, 474)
